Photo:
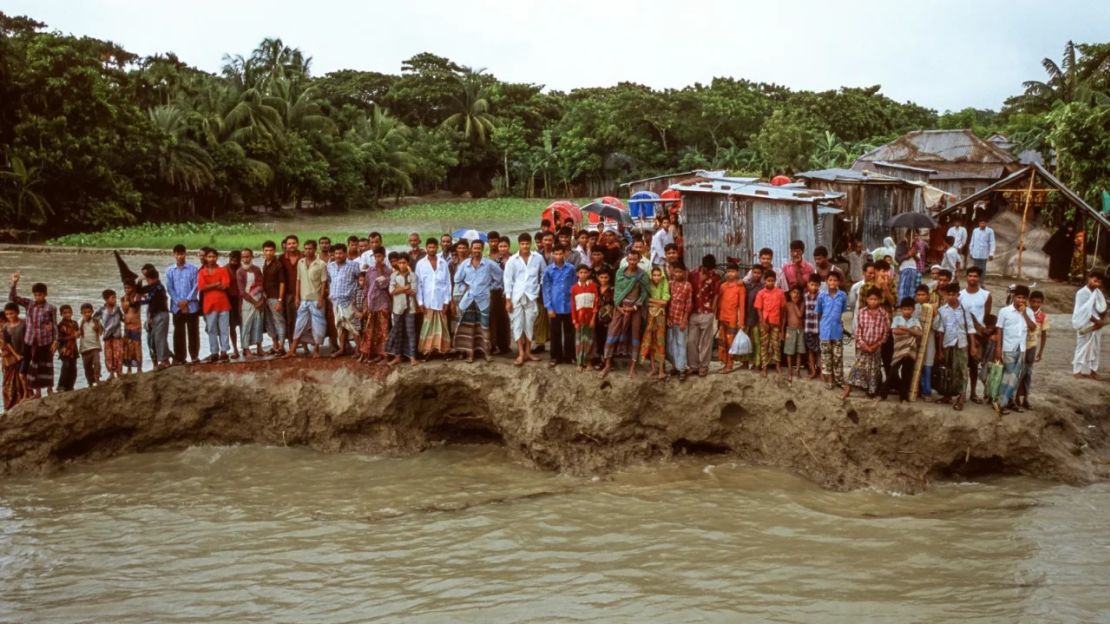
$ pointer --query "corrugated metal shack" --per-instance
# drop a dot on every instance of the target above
(658, 184)
(962, 163)
(735, 219)
(870, 200)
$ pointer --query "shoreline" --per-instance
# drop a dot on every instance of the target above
(537, 414)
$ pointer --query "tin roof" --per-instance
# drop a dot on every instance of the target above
(680, 174)
(850, 175)
(759, 190)
(924, 147)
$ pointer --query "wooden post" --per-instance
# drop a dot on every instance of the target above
(1024, 215)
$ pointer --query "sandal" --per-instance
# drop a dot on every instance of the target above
(958, 406)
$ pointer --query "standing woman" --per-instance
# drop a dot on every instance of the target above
(906, 256)
(213, 282)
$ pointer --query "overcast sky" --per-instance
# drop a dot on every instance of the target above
(944, 54)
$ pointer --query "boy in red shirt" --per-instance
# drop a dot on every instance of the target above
(731, 302)
(770, 303)
(213, 282)
(583, 313)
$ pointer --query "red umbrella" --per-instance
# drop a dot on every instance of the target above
(564, 210)
(779, 180)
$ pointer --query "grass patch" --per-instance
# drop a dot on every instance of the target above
(430, 219)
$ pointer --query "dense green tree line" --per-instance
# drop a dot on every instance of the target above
(92, 135)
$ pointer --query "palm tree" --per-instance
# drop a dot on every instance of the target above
(1068, 81)
(182, 163)
(298, 107)
(383, 141)
(471, 116)
(27, 205)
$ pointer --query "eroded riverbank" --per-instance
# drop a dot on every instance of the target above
(566, 421)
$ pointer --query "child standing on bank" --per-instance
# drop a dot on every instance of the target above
(12, 331)
(731, 306)
(830, 310)
(111, 321)
(91, 345)
(41, 337)
(654, 347)
(907, 334)
(872, 327)
(402, 290)
(678, 318)
(67, 347)
(770, 303)
(795, 346)
(812, 327)
(583, 314)
(132, 329)
(1034, 347)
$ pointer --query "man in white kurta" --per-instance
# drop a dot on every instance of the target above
(523, 277)
(1087, 320)
(433, 295)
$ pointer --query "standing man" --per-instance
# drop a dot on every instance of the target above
(558, 279)
(796, 271)
(498, 317)
(1015, 321)
(1087, 319)
(290, 256)
(706, 285)
(433, 295)
(982, 246)
(309, 300)
(523, 274)
(274, 288)
(474, 280)
(447, 248)
(415, 251)
(959, 235)
(977, 302)
(342, 282)
(822, 267)
(181, 285)
(660, 240)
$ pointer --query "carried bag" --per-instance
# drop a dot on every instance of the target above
(943, 381)
(994, 380)
(741, 344)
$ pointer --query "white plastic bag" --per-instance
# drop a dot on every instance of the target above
(741, 344)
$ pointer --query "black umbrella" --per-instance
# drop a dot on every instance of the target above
(912, 220)
(125, 274)
(605, 211)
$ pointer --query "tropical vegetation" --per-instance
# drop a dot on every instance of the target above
(94, 137)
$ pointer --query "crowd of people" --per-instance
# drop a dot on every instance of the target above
(590, 298)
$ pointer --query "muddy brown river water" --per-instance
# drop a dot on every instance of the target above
(236, 534)
(462, 533)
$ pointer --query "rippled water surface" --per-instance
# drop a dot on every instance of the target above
(464, 534)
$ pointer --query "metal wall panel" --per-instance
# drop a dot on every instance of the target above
(715, 224)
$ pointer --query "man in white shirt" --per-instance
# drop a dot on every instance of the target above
(1087, 319)
(982, 246)
(978, 302)
(959, 233)
(660, 240)
(433, 295)
(1015, 321)
(523, 277)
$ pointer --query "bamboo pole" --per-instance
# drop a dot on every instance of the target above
(1024, 216)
